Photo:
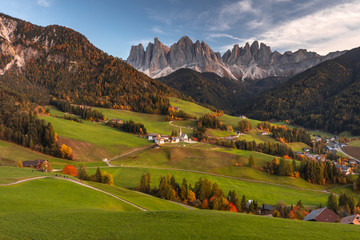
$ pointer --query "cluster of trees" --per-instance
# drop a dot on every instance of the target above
(293, 212)
(356, 184)
(174, 133)
(286, 134)
(129, 126)
(98, 176)
(20, 125)
(180, 114)
(282, 168)
(84, 112)
(277, 149)
(211, 121)
(343, 205)
(322, 173)
(244, 125)
(204, 195)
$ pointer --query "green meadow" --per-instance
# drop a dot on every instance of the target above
(93, 141)
(99, 224)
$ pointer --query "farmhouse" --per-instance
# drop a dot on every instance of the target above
(353, 219)
(322, 215)
(175, 140)
(267, 209)
(152, 136)
(33, 163)
(159, 140)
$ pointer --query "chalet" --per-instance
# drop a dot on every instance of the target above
(248, 203)
(33, 163)
(306, 149)
(322, 215)
(152, 136)
(243, 117)
(165, 137)
(177, 108)
(159, 140)
(353, 219)
(118, 121)
(267, 209)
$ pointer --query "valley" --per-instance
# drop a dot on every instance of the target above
(178, 142)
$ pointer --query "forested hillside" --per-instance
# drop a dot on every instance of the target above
(65, 64)
(210, 89)
(325, 97)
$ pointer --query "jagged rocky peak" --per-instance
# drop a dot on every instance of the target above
(253, 61)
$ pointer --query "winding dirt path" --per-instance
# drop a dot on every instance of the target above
(125, 154)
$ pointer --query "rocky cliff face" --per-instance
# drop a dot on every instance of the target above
(254, 62)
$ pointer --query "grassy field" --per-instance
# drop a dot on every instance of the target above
(297, 146)
(56, 195)
(129, 177)
(146, 201)
(253, 136)
(219, 133)
(14, 174)
(93, 141)
(96, 224)
(17, 153)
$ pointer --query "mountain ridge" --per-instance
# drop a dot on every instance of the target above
(253, 61)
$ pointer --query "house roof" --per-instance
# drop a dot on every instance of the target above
(153, 134)
(353, 219)
(313, 214)
(322, 215)
(268, 207)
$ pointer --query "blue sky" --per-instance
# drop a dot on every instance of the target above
(113, 26)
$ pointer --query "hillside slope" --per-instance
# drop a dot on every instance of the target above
(325, 97)
(64, 63)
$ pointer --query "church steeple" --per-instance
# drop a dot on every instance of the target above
(180, 133)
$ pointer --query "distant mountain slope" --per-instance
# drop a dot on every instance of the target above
(255, 61)
(326, 97)
(210, 89)
(68, 66)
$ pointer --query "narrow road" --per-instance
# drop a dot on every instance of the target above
(79, 183)
(125, 154)
(171, 124)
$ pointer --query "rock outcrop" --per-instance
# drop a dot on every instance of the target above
(254, 62)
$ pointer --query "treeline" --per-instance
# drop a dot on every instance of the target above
(129, 126)
(286, 134)
(322, 173)
(176, 115)
(21, 126)
(204, 195)
(282, 168)
(276, 149)
(84, 112)
(211, 121)
(98, 176)
(344, 205)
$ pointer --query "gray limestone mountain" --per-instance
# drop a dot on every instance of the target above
(251, 62)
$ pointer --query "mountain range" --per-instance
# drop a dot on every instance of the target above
(255, 61)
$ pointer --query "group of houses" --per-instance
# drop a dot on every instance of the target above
(162, 139)
(318, 215)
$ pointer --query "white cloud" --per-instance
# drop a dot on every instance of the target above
(230, 14)
(323, 31)
(335, 28)
(44, 3)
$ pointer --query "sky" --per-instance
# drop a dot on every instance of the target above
(284, 25)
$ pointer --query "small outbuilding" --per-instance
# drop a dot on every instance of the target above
(353, 219)
(267, 209)
(322, 215)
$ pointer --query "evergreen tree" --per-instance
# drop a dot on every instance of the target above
(251, 161)
(332, 202)
(82, 173)
(243, 203)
